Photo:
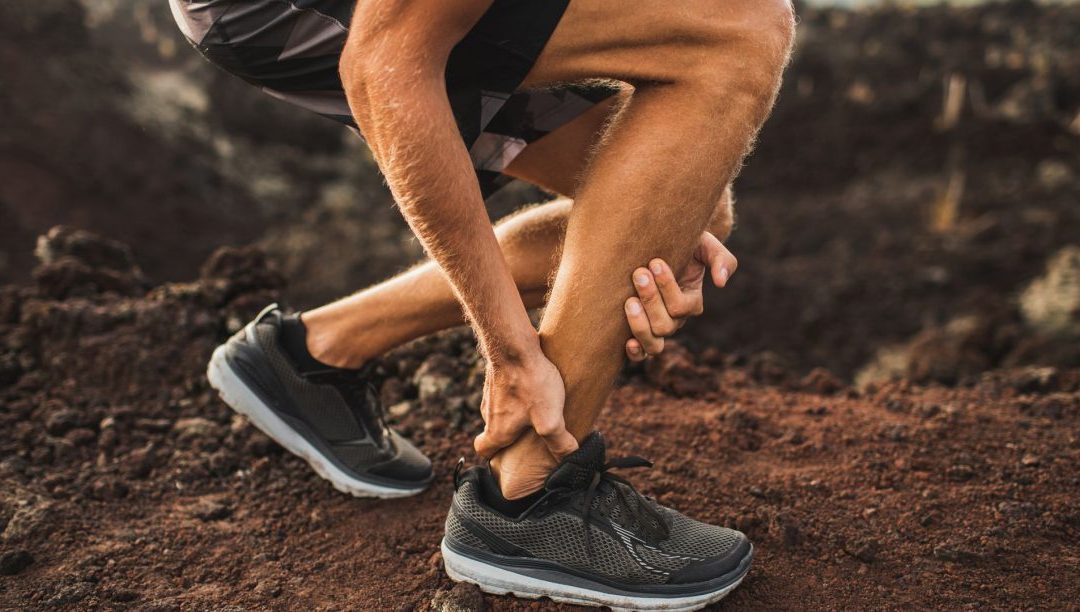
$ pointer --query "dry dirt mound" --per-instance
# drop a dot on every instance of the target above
(125, 481)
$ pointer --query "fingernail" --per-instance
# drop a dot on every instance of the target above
(642, 280)
(635, 350)
(634, 307)
(656, 268)
(724, 274)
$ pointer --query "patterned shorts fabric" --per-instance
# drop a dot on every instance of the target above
(291, 50)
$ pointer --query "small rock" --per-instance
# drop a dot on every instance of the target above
(108, 489)
(895, 433)
(946, 552)
(960, 473)
(260, 445)
(197, 427)
(1017, 509)
(62, 420)
(399, 409)
(222, 461)
(154, 425)
(433, 376)
(141, 461)
(80, 436)
(865, 550)
(14, 561)
(268, 588)
(791, 530)
(675, 371)
(821, 381)
(1029, 460)
(1034, 380)
(108, 438)
(68, 594)
(121, 595)
(207, 510)
(768, 367)
(793, 435)
(464, 597)
(1051, 303)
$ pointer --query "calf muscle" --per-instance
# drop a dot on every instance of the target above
(651, 189)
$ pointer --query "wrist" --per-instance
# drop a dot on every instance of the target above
(518, 350)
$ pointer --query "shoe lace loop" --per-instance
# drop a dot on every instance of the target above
(644, 513)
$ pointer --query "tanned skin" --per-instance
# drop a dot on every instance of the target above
(704, 77)
(349, 332)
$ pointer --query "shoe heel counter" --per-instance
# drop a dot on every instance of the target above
(456, 531)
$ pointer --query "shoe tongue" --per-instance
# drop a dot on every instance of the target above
(577, 469)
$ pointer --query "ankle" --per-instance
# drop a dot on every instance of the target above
(324, 343)
(522, 469)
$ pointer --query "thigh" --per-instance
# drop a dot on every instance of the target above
(639, 43)
(556, 161)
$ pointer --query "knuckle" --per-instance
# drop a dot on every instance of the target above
(548, 429)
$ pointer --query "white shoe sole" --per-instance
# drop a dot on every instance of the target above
(241, 399)
(498, 581)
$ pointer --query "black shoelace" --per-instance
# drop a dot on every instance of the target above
(643, 513)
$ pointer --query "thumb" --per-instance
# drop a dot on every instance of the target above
(560, 443)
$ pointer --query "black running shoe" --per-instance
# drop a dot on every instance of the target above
(331, 417)
(589, 538)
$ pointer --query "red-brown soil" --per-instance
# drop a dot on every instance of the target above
(124, 481)
(867, 216)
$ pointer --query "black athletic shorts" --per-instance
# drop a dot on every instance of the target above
(291, 49)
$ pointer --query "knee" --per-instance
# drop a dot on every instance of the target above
(723, 220)
(748, 46)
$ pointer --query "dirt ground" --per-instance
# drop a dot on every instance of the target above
(886, 399)
(124, 481)
(921, 165)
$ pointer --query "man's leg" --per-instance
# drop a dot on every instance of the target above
(350, 331)
(705, 75)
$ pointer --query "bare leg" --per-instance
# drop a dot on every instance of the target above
(705, 77)
(350, 331)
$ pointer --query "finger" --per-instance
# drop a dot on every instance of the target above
(674, 299)
(659, 320)
(639, 327)
(559, 441)
(489, 442)
(722, 263)
(634, 350)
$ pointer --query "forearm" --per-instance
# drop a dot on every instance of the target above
(415, 140)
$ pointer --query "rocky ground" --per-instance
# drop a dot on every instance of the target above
(920, 170)
(125, 482)
(886, 398)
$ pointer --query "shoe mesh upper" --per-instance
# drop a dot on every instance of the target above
(616, 552)
(324, 408)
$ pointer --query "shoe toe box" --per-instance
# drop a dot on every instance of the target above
(408, 464)
(716, 566)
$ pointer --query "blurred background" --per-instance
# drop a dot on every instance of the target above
(911, 215)
(912, 209)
